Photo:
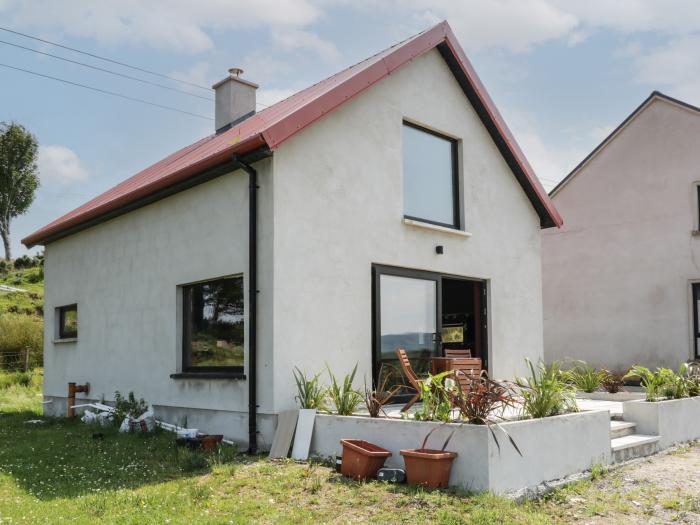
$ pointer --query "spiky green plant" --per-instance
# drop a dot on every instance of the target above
(546, 392)
(585, 377)
(664, 382)
(345, 397)
(310, 392)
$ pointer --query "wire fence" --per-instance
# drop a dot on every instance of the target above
(15, 361)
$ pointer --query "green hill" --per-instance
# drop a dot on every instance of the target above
(21, 313)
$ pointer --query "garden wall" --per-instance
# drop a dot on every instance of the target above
(552, 448)
(674, 421)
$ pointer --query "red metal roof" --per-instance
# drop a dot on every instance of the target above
(274, 125)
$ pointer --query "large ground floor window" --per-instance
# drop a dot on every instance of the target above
(425, 313)
(213, 325)
(696, 319)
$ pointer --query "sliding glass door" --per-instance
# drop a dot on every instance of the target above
(424, 313)
(408, 319)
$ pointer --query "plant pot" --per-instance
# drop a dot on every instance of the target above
(362, 459)
(209, 442)
(427, 467)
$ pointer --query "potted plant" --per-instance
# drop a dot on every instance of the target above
(362, 459)
(429, 467)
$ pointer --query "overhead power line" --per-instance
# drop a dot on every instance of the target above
(123, 64)
(105, 92)
(105, 70)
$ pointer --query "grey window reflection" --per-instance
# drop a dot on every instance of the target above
(408, 319)
(428, 173)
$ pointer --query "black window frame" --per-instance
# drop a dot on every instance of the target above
(186, 349)
(456, 193)
(382, 269)
(62, 333)
(697, 204)
(695, 289)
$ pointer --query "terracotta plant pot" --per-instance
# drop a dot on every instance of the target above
(427, 467)
(211, 441)
(362, 459)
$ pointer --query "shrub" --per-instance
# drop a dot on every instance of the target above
(127, 407)
(436, 397)
(310, 393)
(612, 382)
(24, 262)
(664, 382)
(546, 392)
(19, 332)
(483, 400)
(585, 377)
(376, 398)
(345, 398)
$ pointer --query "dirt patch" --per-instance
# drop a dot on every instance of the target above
(662, 489)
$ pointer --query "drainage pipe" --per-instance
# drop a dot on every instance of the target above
(72, 390)
(252, 304)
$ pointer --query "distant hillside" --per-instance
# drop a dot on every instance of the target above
(29, 300)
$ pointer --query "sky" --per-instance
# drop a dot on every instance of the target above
(562, 73)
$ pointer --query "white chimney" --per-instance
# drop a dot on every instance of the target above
(235, 100)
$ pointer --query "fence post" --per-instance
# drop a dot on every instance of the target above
(26, 359)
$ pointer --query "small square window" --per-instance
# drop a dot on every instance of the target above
(213, 325)
(67, 321)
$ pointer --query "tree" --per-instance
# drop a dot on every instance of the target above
(19, 177)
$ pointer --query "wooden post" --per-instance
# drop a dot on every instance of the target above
(26, 359)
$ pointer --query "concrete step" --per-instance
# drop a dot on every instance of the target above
(621, 428)
(633, 446)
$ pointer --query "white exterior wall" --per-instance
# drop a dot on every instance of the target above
(339, 209)
(617, 275)
(124, 275)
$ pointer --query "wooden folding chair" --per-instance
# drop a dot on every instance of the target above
(410, 375)
(458, 352)
(466, 369)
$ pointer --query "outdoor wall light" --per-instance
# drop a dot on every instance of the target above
(439, 249)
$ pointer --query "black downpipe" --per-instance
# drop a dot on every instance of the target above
(252, 305)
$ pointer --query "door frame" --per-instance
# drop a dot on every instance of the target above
(694, 325)
(382, 269)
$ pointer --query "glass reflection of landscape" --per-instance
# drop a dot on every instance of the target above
(216, 323)
(408, 320)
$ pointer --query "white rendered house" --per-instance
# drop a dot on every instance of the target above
(622, 276)
(381, 207)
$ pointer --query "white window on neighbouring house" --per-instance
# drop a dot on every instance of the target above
(430, 177)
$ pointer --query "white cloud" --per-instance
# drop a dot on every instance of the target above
(674, 67)
(290, 39)
(270, 96)
(179, 25)
(60, 164)
(198, 74)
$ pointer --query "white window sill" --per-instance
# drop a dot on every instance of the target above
(67, 340)
(436, 227)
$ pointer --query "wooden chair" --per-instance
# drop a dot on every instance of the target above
(466, 369)
(458, 352)
(410, 375)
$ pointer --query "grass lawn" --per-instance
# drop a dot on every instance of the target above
(56, 472)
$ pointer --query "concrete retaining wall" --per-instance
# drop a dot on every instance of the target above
(552, 448)
(674, 421)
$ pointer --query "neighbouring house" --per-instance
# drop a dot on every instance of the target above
(384, 206)
(622, 276)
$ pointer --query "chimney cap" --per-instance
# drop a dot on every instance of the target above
(234, 74)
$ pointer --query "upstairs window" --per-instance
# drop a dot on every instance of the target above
(430, 180)
(67, 321)
(213, 326)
